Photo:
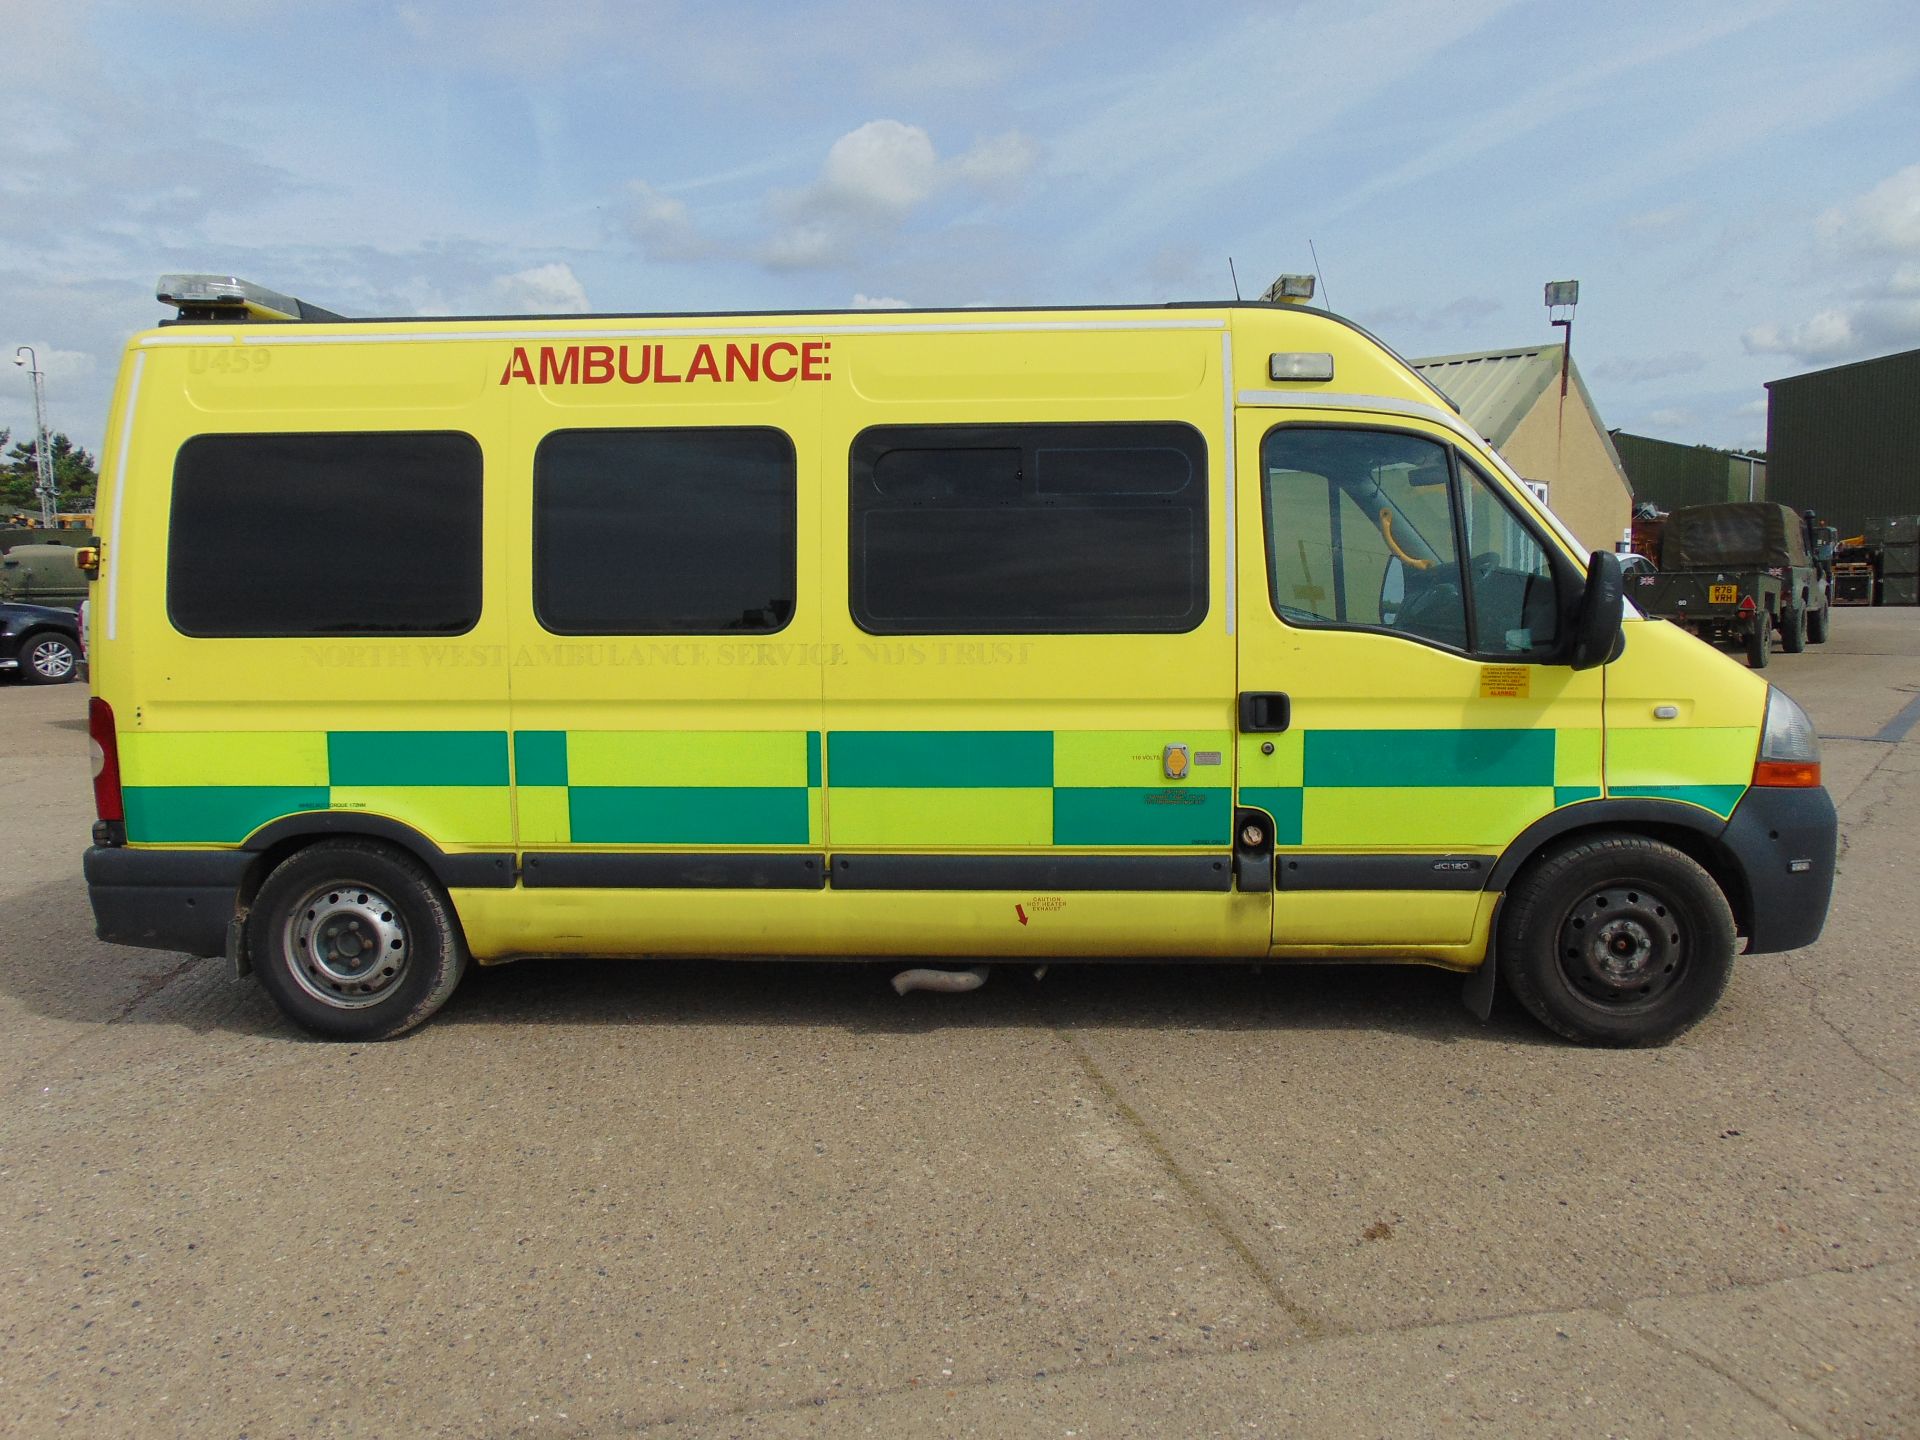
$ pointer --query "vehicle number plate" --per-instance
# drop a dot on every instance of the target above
(1722, 594)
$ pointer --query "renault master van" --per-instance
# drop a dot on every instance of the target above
(1193, 633)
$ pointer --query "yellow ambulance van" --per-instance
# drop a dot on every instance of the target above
(1204, 632)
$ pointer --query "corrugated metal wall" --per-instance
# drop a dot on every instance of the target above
(1673, 475)
(1846, 442)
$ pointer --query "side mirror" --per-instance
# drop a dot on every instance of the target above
(1596, 627)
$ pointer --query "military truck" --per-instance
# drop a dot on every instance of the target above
(1736, 574)
(42, 575)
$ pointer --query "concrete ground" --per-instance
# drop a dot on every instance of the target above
(710, 1200)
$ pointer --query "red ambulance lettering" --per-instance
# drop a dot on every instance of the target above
(703, 365)
(813, 360)
(596, 365)
(561, 369)
(748, 360)
(646, 367)
(766, 360)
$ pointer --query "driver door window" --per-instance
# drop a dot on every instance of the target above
(1360, 532)
(1364, 530)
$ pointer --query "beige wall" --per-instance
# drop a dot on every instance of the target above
(1584, 487)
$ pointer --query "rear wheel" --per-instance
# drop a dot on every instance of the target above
(355, 940)
(1793, 630)
(1616, 940)
(1760, 640)
(48, 658)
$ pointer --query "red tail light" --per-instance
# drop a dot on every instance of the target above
(1747, 607)
(106, 761)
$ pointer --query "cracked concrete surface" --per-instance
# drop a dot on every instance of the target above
(602, 1199)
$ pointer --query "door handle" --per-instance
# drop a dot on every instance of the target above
(1264, 710)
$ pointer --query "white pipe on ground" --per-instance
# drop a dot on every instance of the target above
(949, 982)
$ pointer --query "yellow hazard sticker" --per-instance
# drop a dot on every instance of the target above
(1505, 682)
(1722, 594)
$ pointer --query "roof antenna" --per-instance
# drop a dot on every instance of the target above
(1236, 280)
(1325, 298)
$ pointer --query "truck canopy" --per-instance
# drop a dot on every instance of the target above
(1748, 533)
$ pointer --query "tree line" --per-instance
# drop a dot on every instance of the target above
(76, 475)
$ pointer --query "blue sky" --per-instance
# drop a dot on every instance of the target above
(1735, 185)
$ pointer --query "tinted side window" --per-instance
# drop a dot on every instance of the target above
(333, 534)
(664, 532)
(1028, 529)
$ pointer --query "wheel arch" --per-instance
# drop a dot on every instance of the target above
(1695, 832)
(276, 840)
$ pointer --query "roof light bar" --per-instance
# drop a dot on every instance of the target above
(1290, 290)
(227, 298)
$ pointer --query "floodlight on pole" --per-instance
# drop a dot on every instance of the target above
(1563, 295)
(42, 458)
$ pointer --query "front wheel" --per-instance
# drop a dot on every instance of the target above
(355, 940)
(1616, 940)
(1793, 631)
(1817, 623)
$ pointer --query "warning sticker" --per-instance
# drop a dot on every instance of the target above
(1505, 682)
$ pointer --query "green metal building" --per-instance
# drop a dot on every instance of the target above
(1672, 475)
(1845, 442)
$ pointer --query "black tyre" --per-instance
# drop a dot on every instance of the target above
(49, 658)
(1616, 940)
(355, 940)
(1817, 625)
(1760, 640)
(1793, 630)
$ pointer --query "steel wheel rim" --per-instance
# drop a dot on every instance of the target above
(51, 658)
(1623, 946)
(346, 946)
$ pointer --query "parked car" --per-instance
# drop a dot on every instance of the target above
(40, 643)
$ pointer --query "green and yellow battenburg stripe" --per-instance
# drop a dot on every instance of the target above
(758, 788)
(1415, 789)
(916, 790)
(988, 789)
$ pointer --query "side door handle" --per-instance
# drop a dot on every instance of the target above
(1264, 711)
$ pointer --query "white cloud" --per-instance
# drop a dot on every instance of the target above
(1632, 369)
(874, 180)
(663, 225)
(544, 290)
(55, 364)
(884, 167)
(1880, 312)
(1884, 221)
(1665, 220)
(998, 165)
(1877, 325)
(877, 302)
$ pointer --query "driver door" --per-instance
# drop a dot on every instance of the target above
(1410, 610)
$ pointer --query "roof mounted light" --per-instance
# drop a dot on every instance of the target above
(228, 298)
(1300, 365)
(1290, 290)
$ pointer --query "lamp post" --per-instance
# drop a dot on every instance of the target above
(42, 457)
(1563, 295)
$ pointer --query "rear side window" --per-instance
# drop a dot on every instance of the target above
(332, 534)
(1028, 529)
(664, 532)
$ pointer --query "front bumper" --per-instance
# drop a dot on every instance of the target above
(165, 899)
(1785, 842)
